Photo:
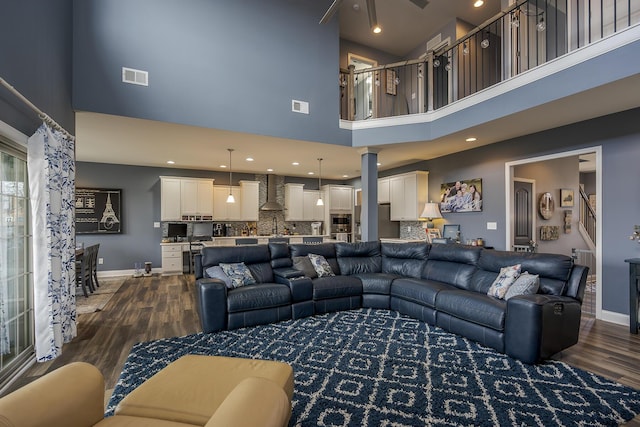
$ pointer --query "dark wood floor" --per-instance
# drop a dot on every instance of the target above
(155, 307)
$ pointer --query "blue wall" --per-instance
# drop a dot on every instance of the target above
(223, 64)
(35, 58)
(619, 136)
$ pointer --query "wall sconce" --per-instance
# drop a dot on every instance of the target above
(430, 212)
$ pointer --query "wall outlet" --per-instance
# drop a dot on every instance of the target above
(492, 226)
(100, 261)
(156, 224)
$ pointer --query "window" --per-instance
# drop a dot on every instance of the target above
(16, 301)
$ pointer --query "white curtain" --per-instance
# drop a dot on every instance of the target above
(50, 162)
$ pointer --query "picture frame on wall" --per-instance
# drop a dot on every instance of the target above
(461, 196)
(566, 198)
(98, 211)
(390, 82)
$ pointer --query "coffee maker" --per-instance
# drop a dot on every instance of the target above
(316, 228)
(218, 229)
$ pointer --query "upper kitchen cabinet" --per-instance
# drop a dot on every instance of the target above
(408, 194)
(249, 200)
(223, 211)
(294, 202)
(339, 198)
(383, 190)
(310, 209)
(186, 199)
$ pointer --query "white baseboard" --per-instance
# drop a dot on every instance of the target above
(120, 273)
(613, 317)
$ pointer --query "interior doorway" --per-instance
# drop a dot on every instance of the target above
(365, 97)
(517, 202)
(524, 215)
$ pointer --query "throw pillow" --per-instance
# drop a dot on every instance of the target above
(303, 263)
(505, 279)
(321, 265)
(525, 284)
(238, 273)
(216, 272)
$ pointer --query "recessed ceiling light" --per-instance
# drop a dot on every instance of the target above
(478, 3)
(223, 166)
(295, 164)
(249, 159)
(471, 139)
(310, 173)
(171, 162)
(269, 170)
(379, 164)
(377, 29)
(345, 176)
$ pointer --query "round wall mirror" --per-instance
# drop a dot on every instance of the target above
(545, 207)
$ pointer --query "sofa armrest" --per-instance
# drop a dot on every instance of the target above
(72, 395)
(287, 272)
(270, 406)
(538, 326)
(211, 301)
(301, 287)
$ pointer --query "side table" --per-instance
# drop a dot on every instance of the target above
(634, 283)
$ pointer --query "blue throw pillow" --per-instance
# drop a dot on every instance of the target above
(238, 273)
(505, 279)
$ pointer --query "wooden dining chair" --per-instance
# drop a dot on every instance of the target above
(94, 265)
(83, 273)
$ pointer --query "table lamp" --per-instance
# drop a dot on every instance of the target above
(430, 212)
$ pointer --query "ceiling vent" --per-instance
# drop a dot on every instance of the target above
(272, 204)
(135, 77)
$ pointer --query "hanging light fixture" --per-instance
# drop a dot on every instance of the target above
(515, 20)
(320, 202)
(373, 19)
(485, 42)
(541, 24)
(465, 48)
(448, 65)
(230, 198)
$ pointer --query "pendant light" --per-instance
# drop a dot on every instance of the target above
(320, 202)
(230, 199)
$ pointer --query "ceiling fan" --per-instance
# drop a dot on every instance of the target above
(371, 11)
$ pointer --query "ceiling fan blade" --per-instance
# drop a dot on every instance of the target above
(420, 3)
(331, 11)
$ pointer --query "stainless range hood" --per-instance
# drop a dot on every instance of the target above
(271, 204)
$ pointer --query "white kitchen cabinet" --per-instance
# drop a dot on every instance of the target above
(383, 190)
(339, 198)
(249, 200)
(223, 211)
(408, 194)
(196, 198)
(294, 202)
(172, 258)
(311, 211)
(170, 199)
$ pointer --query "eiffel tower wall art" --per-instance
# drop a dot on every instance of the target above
(98, 211)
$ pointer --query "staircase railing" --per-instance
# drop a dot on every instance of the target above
(587, 216)
(518, 39)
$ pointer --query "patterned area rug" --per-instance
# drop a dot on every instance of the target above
(379, 368)
(100, 297)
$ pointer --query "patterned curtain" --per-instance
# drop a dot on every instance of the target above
(50, 162)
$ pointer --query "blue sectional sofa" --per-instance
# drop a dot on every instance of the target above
(441, 284)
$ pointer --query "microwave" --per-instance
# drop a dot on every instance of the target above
(340, 219)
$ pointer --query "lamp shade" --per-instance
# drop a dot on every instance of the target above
(431, 210)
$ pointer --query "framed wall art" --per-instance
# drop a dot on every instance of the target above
(566, 198)
(98, 211)
(461, 196)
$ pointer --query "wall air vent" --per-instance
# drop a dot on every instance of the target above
(299, 106)
(136, 77)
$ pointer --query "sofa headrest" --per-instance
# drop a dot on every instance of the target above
(359, 249)
(552, 266)
(280, 256)
(327, 250)
(413, 250)
(249, 254)
(455, 253)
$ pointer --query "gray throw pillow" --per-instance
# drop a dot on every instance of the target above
(303, 263)
(238, 273)
(525, 284)
(216, 272)
(321, 265)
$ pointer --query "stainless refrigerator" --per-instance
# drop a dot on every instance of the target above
(386, 228)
